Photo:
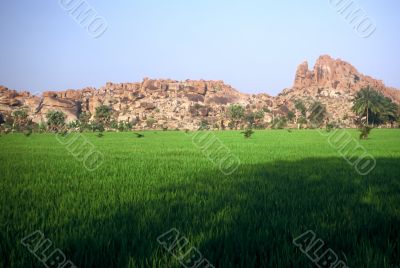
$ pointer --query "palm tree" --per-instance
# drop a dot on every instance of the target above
(368, 101)
(391, 111)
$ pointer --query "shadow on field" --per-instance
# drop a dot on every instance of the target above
(249, 219)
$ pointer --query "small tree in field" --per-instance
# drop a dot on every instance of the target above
(55, 120)
(248, 132)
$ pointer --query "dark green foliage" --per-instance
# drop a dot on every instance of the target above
(299, 105)
(124, 126)
(204, 125)
(103, 115)
(114, 124)
(139, 135)
(250, 118)
(84, 121)
(20, 120)
(28, 132)
(302, 121)
(236, 113)
(97, 126)
(64, 132)
(291, 116)
(279, 123)
(373, 108)
(331, 126)
(55, 120)
(100, 135)
(365, 131)
(247, 133)
(317, 115)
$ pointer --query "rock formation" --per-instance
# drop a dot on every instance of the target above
(185, 104)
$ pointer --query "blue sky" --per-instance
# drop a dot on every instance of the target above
(253, 45)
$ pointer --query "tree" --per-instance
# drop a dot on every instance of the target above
(103, 115)
(367, 103)
(84, 121)
(301, 121)
(317, 113)
(291, 116)
(390, 112)
(204, 125)
(21, 120)
(248, 132)
(299, 105)
(55, 120)
(259, 116)
(250, 118)
(236, 113)
(279, 123)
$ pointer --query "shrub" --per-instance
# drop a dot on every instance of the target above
(365, 131)
(28, 132)
(103, 114)
(204, 125)
(138, 135)
(279, 123)
(329, 127)
(236, 113)
(97, 126)
(55, 120)
(150, 122)
(21, 120)
(291, 115)
(247, 133)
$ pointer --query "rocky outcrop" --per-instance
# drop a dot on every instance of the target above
(333, 82)
(185, 104)
(339, 76)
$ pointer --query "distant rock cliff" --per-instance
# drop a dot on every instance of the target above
(185, 104)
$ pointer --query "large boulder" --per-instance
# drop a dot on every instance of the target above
(69, 107)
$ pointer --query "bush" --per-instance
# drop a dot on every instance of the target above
(97, 126)
(279, 123)
(150, 122)
(330, 127)
(55, 120)
(28, 132)
(138, 135)
(365, 131)
(204, 125)
(247, 133)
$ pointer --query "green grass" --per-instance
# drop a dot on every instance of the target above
(287, 183)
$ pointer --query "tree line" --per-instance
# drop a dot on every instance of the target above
(371, 107)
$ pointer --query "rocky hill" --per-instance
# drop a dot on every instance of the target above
(185, 104)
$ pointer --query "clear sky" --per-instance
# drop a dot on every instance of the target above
(254, 45)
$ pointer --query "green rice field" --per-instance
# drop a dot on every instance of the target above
(287, 182)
